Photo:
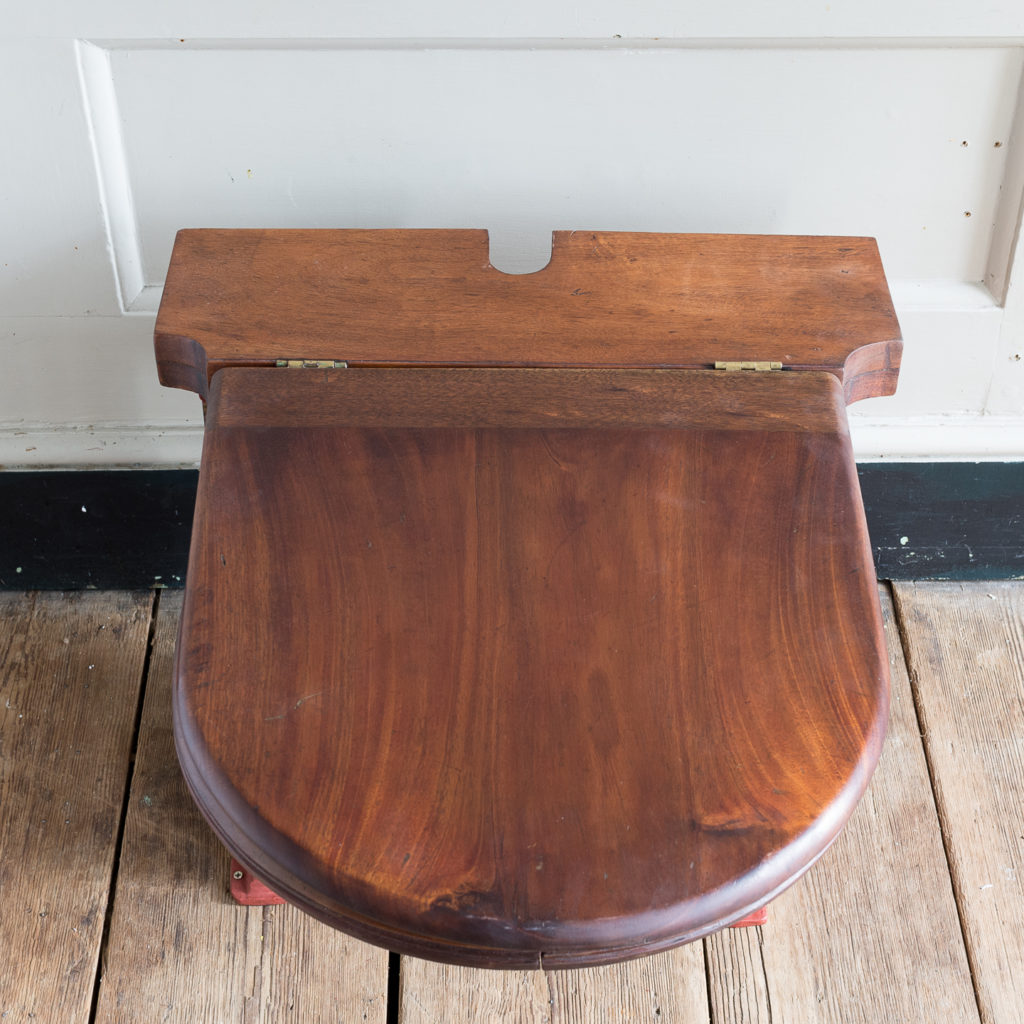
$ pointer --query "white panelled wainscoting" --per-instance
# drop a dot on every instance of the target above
(122, 125)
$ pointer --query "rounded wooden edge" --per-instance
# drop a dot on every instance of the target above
(872, 371)
(181, 363)
(248, 837)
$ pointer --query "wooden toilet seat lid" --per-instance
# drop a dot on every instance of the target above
(522, 666)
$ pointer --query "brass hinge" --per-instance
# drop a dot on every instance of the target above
(758, 365)
(313, 364)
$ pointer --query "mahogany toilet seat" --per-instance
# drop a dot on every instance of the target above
(533, 664)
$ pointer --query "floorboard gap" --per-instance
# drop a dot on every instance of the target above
(707, 980)
(119, 840)
(764, 971)
(394, 988)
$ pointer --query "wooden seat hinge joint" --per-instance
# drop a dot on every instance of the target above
(758, 365)
(313, 364)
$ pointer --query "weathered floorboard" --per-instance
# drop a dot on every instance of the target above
(965, 647)
(668, 988)
(737, 984)
(179, 949)
(70, 670)
(867, 935)
(870, 933)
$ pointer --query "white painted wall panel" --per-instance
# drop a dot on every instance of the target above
(934, 339)
(389, 19)
(906, 145)
(53, 241)
(86, 370)
(123, 122)
(1006, 394)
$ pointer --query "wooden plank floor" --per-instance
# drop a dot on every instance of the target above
(112, 890)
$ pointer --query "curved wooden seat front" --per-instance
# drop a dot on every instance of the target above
(522, 667)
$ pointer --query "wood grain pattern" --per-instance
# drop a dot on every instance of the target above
(871, 932)
(668, 988)
(802, 403)
(529, 692)
(965, 647)
(180, 949)
(70, 671)
(616, 299)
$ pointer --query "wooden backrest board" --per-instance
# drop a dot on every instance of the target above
(605, 299)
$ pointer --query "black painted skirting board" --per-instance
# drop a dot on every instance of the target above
(108, 529)
(130, 529)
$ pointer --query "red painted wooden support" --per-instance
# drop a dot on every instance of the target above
(759, 916)
(248, 890)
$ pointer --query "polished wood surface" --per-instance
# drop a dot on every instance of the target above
(870, 934)
(538, 689)
(517, 399)
(619, 299)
